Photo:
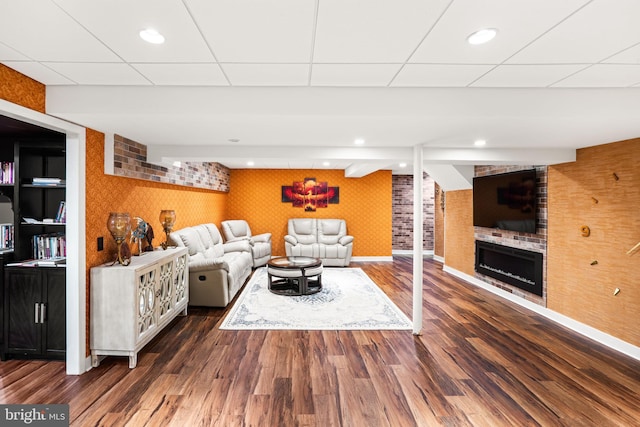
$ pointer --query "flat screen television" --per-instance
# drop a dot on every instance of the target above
(506, 201)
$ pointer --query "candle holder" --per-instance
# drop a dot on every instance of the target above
(119, 225)
(167, 219)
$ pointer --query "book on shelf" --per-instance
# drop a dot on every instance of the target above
(48, 181)
(49, 262)
(52, 245)
(6, 173)
(61, 216)
(6, 236)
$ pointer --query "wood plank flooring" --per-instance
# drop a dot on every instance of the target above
(481, 361)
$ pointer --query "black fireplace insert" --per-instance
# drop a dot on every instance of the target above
(517, 267)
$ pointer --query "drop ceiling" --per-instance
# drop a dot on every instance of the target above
(292, 83)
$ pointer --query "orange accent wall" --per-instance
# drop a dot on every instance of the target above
(575, 287)
(107, 193)
(22, 90)
(459, 246)
(365, 203)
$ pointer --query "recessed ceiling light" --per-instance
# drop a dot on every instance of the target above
(325, 163)
(482, 36)
(479, 142)
(250, 163)
(152, 36)
(177, 164)
(359, 141)
(403, 165)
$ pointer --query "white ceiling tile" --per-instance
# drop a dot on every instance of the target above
(9, 54)
(58, 37)
(183, 41)
(629, 56)
(353, 74)
(599, 30)
(183, 74)
(517, 22)
(267, 74)
(437, 75)
(99, 74)
(257, 31)
(351, 31)
(604, 75)
(39, 72)
(526, 75)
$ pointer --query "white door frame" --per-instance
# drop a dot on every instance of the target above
(76, 360)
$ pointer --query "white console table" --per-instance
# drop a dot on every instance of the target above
(131, 304)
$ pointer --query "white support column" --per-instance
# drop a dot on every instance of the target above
(417, 239)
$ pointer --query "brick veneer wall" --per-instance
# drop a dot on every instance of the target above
(402, 212)
(532, 242)
(130, 160)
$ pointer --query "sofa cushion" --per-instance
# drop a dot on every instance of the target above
(236, 229)
(330, 230)
(305, 230)
(213, 240)
(191, 239)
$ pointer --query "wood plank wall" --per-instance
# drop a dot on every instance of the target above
(459, 246)
(438, 234)
(587, 193)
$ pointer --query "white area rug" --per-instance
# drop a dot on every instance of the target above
(349, 300)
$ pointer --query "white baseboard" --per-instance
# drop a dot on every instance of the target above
(586, 330)
(425, 254)
(438, 258)
(372, 259)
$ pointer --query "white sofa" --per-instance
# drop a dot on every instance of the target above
(326, 239)
(217, 270)
(238, 229)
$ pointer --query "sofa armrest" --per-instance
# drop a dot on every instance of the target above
(237, 246)
(345, 240)
(264, 237)
(290, 239)
(208, 264)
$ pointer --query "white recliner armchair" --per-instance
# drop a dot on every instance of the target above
(326, 239)
(238, 229)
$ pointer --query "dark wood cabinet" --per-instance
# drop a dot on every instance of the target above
(34, 312)
(4, 258)
(32, 298)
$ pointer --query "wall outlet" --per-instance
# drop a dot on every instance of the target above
(100, 243)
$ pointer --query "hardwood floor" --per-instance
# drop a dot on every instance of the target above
(481, 361)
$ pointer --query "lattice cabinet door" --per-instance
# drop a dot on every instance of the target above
(165, 289)
(181, 281)
(147, 284)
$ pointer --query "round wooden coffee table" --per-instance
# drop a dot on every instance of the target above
(295, 275)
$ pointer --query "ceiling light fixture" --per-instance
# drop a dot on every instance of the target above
(482, 36)
(480, 142)
(359, 141)
(325, 163)
(403, 165)
(151, 36)
(250, 163)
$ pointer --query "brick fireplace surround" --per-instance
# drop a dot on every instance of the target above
(532, 242)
